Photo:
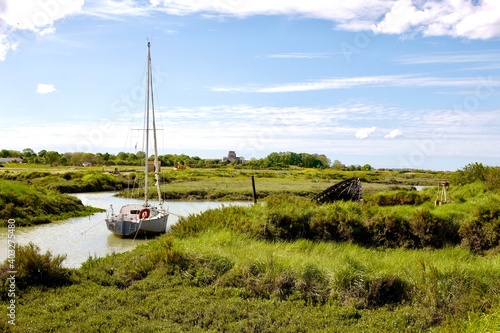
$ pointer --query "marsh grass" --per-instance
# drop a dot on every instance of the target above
(34, 268)
(290, 265)
(227, 281)
(34, 205)
(285, 217)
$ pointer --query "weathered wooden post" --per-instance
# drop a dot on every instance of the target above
(254, 192)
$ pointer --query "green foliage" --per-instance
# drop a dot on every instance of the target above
(470, 173)
(29, 205)
(223, 281)
(284, 265)
(338, 221)
(393, 198)
(477, 172)
(481, 231)
(34, 269)
(387, 228)
(433, 231)
(289, 218)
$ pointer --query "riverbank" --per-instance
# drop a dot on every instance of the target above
(80, 238)
(30, 205)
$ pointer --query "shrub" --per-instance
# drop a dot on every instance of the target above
(313, 285)
(432, 231)
(470, 173)
(388, 229)
(386, 290)
(401, 197)
(338, 221)
(482, 230)
(35, 269)
(451, 293)
(287, 217)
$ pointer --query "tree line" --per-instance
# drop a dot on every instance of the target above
(273, 160)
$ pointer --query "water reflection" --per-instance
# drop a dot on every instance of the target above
(84, 237)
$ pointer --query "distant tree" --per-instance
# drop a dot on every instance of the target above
(140, 155)
(493, 178)
(470, 173)
(325, 161)
(122, 156)
(28, 152)
(52, 158)
(42, 153)
(337, 164)
(366, 167)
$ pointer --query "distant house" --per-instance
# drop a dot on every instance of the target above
(11, 159)
(151, 166)
(231, 157)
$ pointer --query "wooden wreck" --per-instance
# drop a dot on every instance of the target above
(347, 190)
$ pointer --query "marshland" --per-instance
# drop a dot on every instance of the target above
(394, 262)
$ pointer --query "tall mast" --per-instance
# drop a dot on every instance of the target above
(155, 143)
(146, 190)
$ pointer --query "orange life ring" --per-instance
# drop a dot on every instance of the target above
(144, 214)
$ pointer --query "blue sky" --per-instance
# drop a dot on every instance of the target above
(392, 83)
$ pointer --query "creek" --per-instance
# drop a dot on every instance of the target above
(84, 237)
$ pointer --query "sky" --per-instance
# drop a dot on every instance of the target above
(390, 83)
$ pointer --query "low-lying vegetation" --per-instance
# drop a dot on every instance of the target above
(394, 262)
(68, 181)
(35, 205)
(227, 281)
(474, 224)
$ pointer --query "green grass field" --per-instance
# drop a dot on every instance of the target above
(393, 263)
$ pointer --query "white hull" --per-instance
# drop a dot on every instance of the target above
(129, 222)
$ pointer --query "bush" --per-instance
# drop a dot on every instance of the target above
(338, 221)
(386, 290)
(432, 231)
(287, 217)
(482, 230)
(35, 269)
(395, 198)
(388, 229)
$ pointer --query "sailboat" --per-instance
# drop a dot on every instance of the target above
(135, 218)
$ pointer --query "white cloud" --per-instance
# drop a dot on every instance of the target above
(394, 134)
(257, 131)
(35, 15)
(455, 57)
(366, 81)
(19, 19)
(4, 47)
(456, 18)
(341, 11)
(44, 88)
(363, 133)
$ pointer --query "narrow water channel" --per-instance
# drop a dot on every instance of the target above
(84, 237)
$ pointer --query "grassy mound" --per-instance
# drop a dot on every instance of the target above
(28, 205)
